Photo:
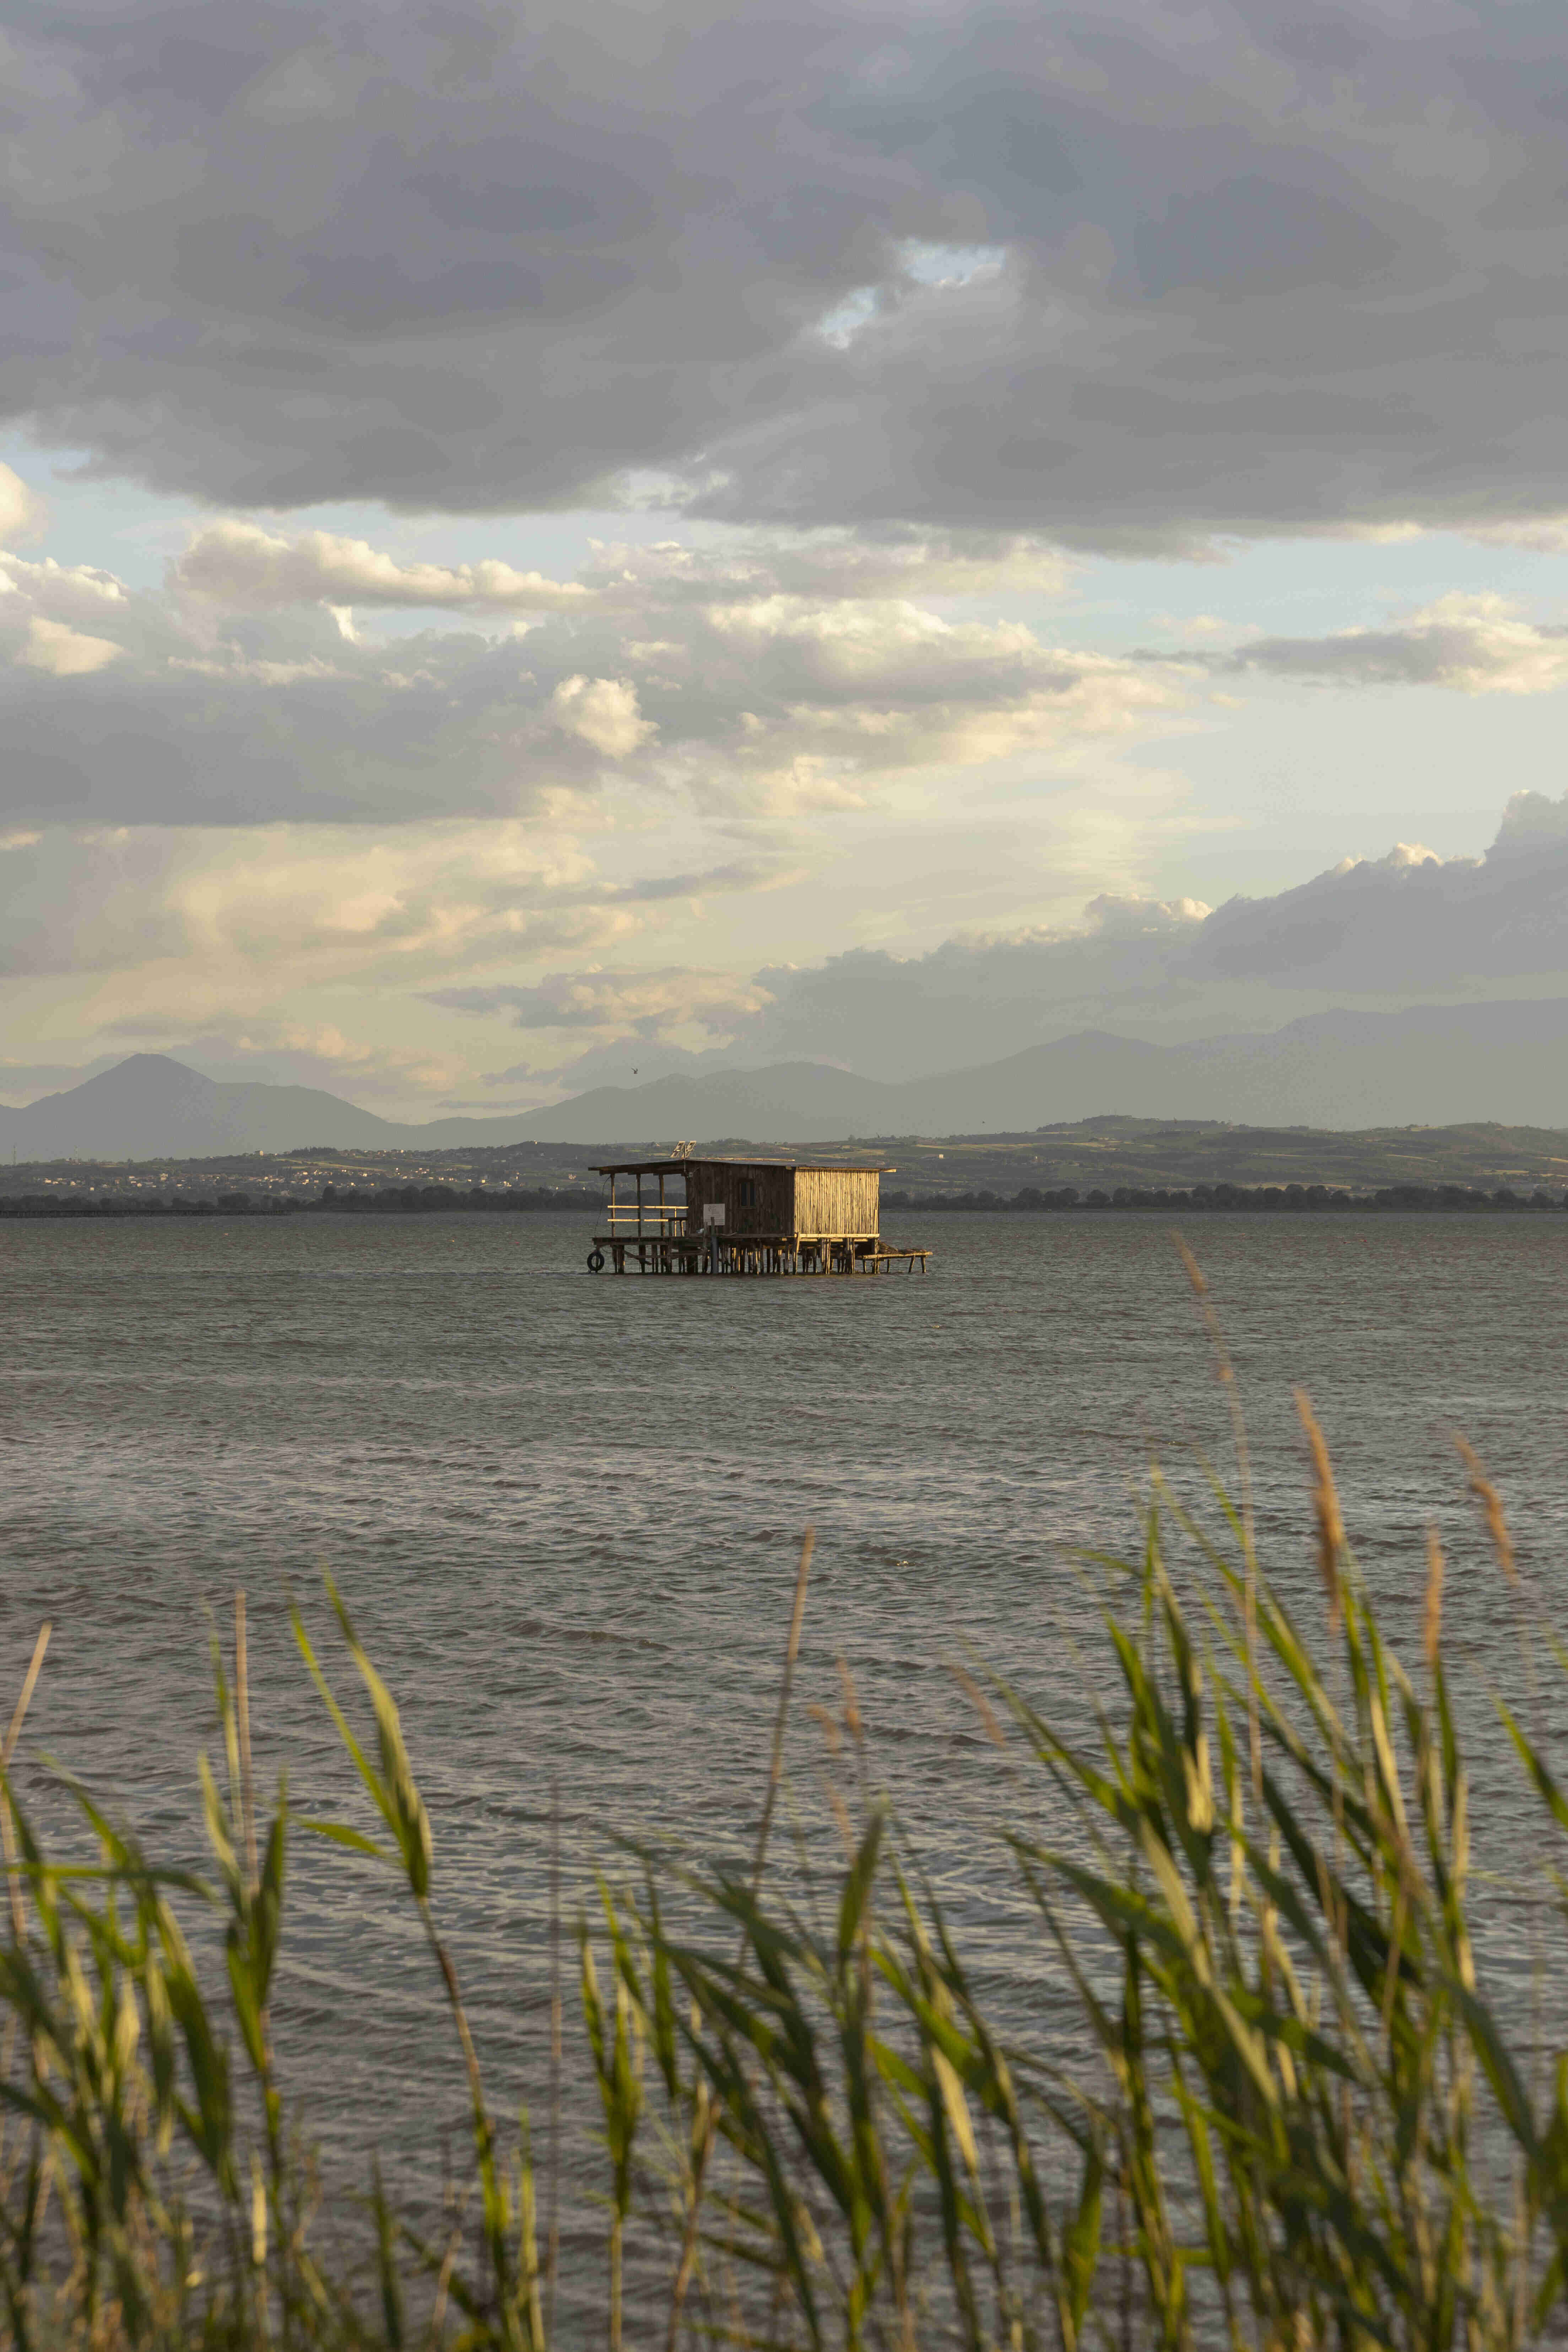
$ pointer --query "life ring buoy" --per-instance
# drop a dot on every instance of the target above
(595, 1261)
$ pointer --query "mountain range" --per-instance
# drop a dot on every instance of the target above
(1432, 1065)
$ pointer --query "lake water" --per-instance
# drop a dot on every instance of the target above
(565, 1511)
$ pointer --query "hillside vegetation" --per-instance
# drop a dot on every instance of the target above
(1096, 1154)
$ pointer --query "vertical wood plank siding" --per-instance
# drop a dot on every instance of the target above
(837, 1201)
(842, 1202)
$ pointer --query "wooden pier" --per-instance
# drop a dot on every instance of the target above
(748, 1217)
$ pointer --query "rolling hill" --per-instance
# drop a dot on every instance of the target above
(1433, 1065)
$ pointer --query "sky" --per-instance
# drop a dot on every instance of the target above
(542, 546)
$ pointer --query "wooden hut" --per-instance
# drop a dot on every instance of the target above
(693, 1216)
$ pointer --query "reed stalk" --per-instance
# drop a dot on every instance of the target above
(1304, 2119)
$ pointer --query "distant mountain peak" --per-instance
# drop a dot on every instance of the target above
(1433, 1064)
(141, 1070)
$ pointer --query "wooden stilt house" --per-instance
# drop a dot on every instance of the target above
(686, 1215)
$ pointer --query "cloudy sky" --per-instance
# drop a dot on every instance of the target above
(545, 543)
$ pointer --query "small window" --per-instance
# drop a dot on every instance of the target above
(746, 1192)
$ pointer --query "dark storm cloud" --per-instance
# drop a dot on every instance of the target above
(1127, 275)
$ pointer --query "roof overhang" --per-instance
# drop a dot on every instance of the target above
(791, 1166)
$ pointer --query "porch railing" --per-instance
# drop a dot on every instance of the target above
(651, 1220)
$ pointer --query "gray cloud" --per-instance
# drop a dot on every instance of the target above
(267, 722)
(1476, 644)
(1407, 927)
(1123, 275)
(1410, 924)
(642, 1003)
(897, 1017)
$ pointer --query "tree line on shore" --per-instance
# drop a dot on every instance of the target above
(392, 1200)
(415, 1199)
(1289, 1197)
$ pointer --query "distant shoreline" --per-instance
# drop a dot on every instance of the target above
(1201, 1200)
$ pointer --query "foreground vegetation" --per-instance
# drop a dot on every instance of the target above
(1287, 2112)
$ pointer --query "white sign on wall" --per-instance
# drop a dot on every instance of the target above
(713, 1212)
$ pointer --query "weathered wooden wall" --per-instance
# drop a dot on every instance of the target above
(838, 1201)
(714, 1180)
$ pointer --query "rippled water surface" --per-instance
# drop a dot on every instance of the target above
(565, 1512)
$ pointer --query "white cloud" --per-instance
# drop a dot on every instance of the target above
(68, 592)
(187, 925)
(60, 651)
(238, 564)
(602, 713)
(1403, 853)
(1111, 918)
(652, 1004)
(229, 711)
(22, 512)
(824, 564)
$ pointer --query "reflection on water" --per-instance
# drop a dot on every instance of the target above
(565, 1512)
